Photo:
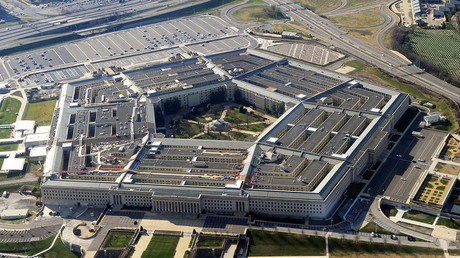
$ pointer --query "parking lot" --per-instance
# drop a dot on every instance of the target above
(28, 235)
(403, 168)
(122, 48)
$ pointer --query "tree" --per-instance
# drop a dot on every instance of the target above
(218, 96)
(172, 105)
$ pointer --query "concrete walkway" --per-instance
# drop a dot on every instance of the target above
(141, 245)
(182, 246)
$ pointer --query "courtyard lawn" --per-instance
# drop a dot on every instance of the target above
(209, 242)
(118, 239)
(161, 247)
(234, 116)
(239, 136)
(9, 110)
(9, 147)
(214, 136)
(41, 112)
(185, 129)
(5, 133)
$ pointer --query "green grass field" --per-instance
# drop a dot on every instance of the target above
(441, 47)
(185, 129)
(372, 227)
(264, 243)
(209, 242)
(118, 239)
(15, 187)
(41, 112)
(5, 133)
(254, 14)
(205, 117)
(161, 247)
(17, 94)
(9, 147)
(30, 248)
(450, 223)
(8, 110)
(419, 216)
(351, 3)
(239, 136)
(320, 6)
(349, 248)
(357, 20)
(441, 105)
(234, 116)
(214, 136)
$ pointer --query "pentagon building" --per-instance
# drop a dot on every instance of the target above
(104, 148)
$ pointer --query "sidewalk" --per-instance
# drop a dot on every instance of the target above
(141, 245)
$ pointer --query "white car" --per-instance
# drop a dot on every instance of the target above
(399, 155)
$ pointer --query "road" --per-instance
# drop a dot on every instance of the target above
(390, 64)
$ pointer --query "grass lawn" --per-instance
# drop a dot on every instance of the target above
(264, 243)
(447, 169)
(367, 35)
(254, 13)
(17, 94)
(209, 242)
(280, 27)
(206, 117)
(357, 20)
(161, 247)
(118, 239)
(351, 3)
(388, 210)
(419, 216)
(253, 127)
(15, 187)
(60, 250)
(350, 248)
(5, 133)
(372, 227)
(8, 110)
(214, 136)
(185, 129)
(41, 112)
(450, 223)
(234, 116)
(30, 248)
(321, 6)
(441, 105)
(9, 147)
(239, 136)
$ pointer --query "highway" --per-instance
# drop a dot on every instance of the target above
(9, 36)
(388, 63)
